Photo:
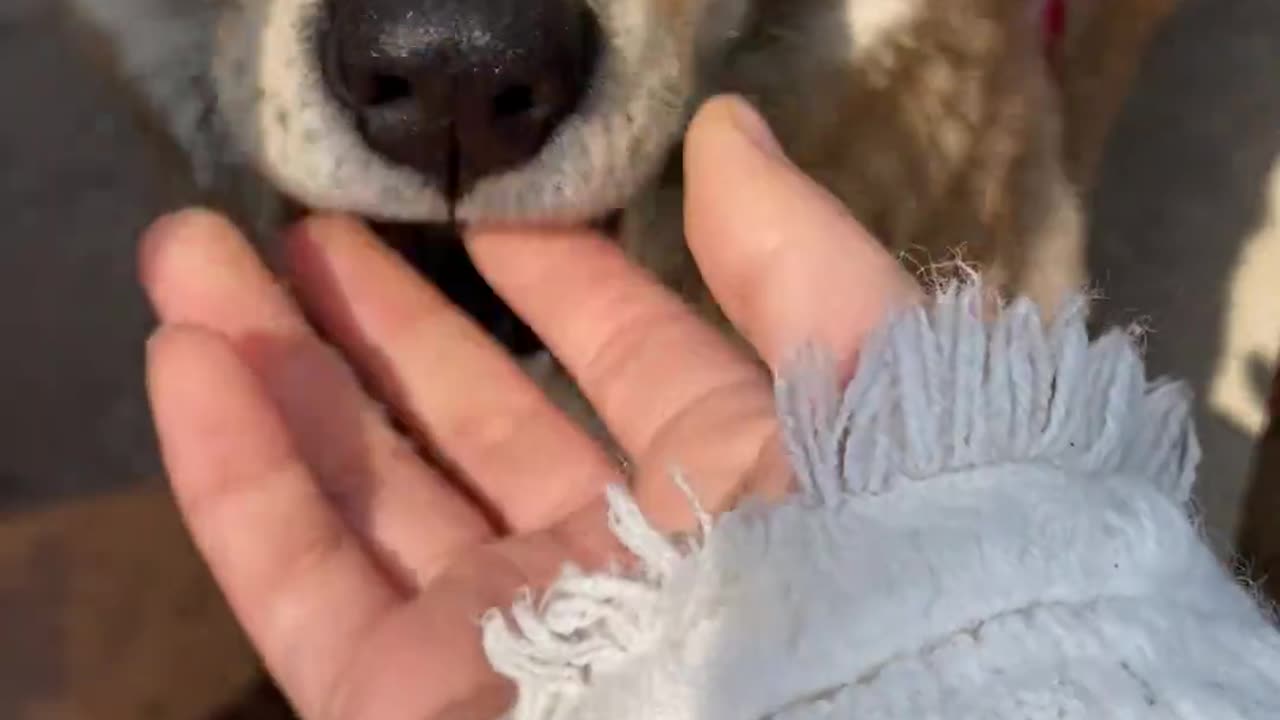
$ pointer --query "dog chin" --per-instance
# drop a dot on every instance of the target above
(436, 252)
(272, 92)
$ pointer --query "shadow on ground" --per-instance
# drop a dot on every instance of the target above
(1185, 184)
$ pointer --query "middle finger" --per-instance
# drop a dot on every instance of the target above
(673, 391)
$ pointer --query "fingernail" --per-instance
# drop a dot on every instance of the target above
(752, 124)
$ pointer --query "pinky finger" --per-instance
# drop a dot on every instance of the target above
(297, 578)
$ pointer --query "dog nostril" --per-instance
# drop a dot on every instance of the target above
(513, 101)
(370, 91)
(359, 87)
(387, 89)
(464, 89)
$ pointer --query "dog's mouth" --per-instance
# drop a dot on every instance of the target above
(437, 252)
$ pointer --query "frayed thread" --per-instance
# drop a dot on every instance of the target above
(587, 623)
(941, 390)
(938, 390)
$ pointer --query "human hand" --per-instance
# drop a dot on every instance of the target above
(358, 568)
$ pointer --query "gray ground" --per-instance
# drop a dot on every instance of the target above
(77, 181)
(1184, 187)
(1187, 183)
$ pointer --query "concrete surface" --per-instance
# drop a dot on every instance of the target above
(105, 613)
(76, 181)
(1185, 234)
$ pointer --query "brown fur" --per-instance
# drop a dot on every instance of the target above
(945, 142)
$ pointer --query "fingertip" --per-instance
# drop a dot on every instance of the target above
(190, 261)
(194, 221)
(712, 114)
(326, 227)
(783, 255)
(519, 252)
(170, 231)
(178, 347)
(322, 247)
(732, 119)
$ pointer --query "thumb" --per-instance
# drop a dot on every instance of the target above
(783, 257)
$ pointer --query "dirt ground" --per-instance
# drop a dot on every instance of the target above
(105, 613)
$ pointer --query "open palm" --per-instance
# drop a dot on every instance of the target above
(360, 561)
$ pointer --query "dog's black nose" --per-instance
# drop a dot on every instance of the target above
(459, 89)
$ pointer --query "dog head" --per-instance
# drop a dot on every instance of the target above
(468, 110)
(430, 110)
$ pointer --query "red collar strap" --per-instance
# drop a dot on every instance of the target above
(1053, 25)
